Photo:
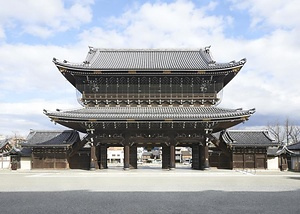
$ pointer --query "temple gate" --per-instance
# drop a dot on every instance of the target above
(149, 97)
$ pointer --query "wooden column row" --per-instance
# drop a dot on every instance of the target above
(98, 157)
(130, 157)
(103, 157)
(94, 160)
(126, 157)
(133, 157)
(200, 156)
(166, 157)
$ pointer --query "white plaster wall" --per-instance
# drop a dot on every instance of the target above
(272, 163)
(115, 155)
(5, 162)
(25, 162)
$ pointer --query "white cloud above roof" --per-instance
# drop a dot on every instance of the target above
(268, 81)
(43, 18)
(279, 13)
(159, 25)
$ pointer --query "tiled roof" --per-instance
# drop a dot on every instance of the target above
(295, 146)
(150, 59)
(51, 138)
(5, 147)
(247, 138)
(2, 143)
(150, 113)
(285, 150)
(25, 152)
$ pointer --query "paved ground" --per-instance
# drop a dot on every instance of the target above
(149, 190)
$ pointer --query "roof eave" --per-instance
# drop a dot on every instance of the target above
(46, 146)
(81, 68)
(253, 145)
(204, 120)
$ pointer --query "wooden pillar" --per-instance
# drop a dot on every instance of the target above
(172, 156)
(166, 157)
(103, 157)
(196, 156)
(126, 156)
(204, 156)
(93, 160)
(133, 157)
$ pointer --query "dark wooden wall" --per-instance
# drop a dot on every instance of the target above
(250, 158)
(49, 159)
(220, 161)
(80, 160)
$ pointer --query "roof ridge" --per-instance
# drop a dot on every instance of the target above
(247, 130)
(147, 49)
(49, 131)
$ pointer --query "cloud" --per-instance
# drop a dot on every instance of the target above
(269, 13)
(2, 34)
(30, 82)
(177, 24)
(43, 18)
(269, 81)
(30, 68)
(22, 116)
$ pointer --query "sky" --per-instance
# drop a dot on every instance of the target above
(32, 32)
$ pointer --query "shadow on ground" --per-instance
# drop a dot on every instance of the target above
(150, 202)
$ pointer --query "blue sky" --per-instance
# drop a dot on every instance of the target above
(33, 32)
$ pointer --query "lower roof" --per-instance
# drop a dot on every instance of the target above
(48, 138)
(244, 138)
(100, 114)
(295, 146)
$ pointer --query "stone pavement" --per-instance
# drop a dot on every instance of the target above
(150, 179)
(149, 190)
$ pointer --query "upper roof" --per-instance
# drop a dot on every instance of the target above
(258, 138)
(149, 59)
(61, 138)
(150, 113)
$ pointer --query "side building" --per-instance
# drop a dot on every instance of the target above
(244, 149)
(5, 149)
(9, 154)
(294, 156)
(53, 150)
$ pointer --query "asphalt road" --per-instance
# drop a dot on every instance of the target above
(149, 191)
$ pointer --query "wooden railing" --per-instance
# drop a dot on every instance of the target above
(206, 96)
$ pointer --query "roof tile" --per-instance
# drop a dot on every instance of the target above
(151, 113)
(151, 59)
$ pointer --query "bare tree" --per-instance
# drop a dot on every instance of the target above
(286, 133)
(288, 129)
(295, 134)
(276, 130)
(16, 138)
